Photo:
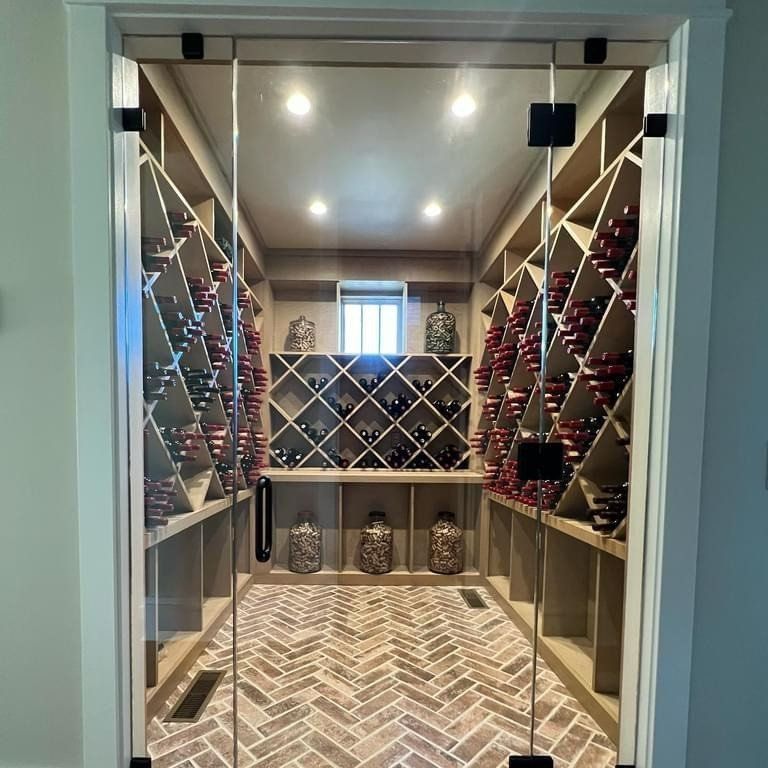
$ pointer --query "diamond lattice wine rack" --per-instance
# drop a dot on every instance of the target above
(591, 306)
(588, 406)
(377, 412)
(187, 311)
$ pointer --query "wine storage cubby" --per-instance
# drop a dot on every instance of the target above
(370, 412)
(589, 356)
(340, 503)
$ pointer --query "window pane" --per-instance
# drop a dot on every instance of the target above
(370, 328)
(352, 327)
(389, 329)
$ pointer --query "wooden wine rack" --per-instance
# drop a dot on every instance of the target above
(188, 562)
(582, 571)
(293, 401)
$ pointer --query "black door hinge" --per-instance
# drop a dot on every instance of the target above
(540, 461)
(655, 127)
(141, 762)
(595, 50)
(192, 45)
(551, 125)
(132, 119)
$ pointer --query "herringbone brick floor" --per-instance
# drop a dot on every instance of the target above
(372, 677)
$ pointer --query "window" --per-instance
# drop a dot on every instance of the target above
(371, 318)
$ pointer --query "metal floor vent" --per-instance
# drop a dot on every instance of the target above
(195, 699)
(472, 598)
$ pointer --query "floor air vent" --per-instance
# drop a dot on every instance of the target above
(195, 699)
(472, 598)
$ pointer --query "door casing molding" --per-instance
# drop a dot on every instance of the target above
(678, 398)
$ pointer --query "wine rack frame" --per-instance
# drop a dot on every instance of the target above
(582, 571)
(293, 400)
(188, 562)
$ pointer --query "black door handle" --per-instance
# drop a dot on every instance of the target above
(263, 519)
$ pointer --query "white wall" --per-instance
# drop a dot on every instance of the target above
(729, 705)
(39, 581)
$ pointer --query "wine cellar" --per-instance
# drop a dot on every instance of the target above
(393, 468)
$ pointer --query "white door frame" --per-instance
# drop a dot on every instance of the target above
(686, 248)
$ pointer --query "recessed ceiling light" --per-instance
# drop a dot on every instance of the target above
(318, 208)
(432, 210)
(464, 105)
(298, 104)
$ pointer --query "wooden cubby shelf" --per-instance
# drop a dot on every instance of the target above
(340, 503)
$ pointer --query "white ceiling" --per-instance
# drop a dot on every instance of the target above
(377, 146)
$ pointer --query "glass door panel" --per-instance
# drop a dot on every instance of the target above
(591, 265)
(197, 550)
(400, 293)
(376, 177)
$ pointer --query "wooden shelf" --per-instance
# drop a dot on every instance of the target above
(354, 577)
(179, 523)
(578, 529)
(569, 657)
(581, 570)
(395, 476)
(188, 562)
(340, 504)
(199, 487)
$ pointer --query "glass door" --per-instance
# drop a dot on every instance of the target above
(376, 176)
(590, 323)
(368, 287)
(202, 437)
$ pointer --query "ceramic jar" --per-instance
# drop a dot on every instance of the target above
(301, 335)
(304, 545)
(376, 541)
(446, 545)
(440, 333)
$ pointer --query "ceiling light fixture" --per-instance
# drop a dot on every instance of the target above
(318, 208)
(298, 104)
(432, 210)
(463, 106)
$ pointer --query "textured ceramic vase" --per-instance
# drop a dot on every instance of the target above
(301, 335)
(440, 333)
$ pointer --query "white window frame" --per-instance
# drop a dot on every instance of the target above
(373, 292)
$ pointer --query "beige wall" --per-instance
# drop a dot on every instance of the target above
(321, 308)
(40, 713)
